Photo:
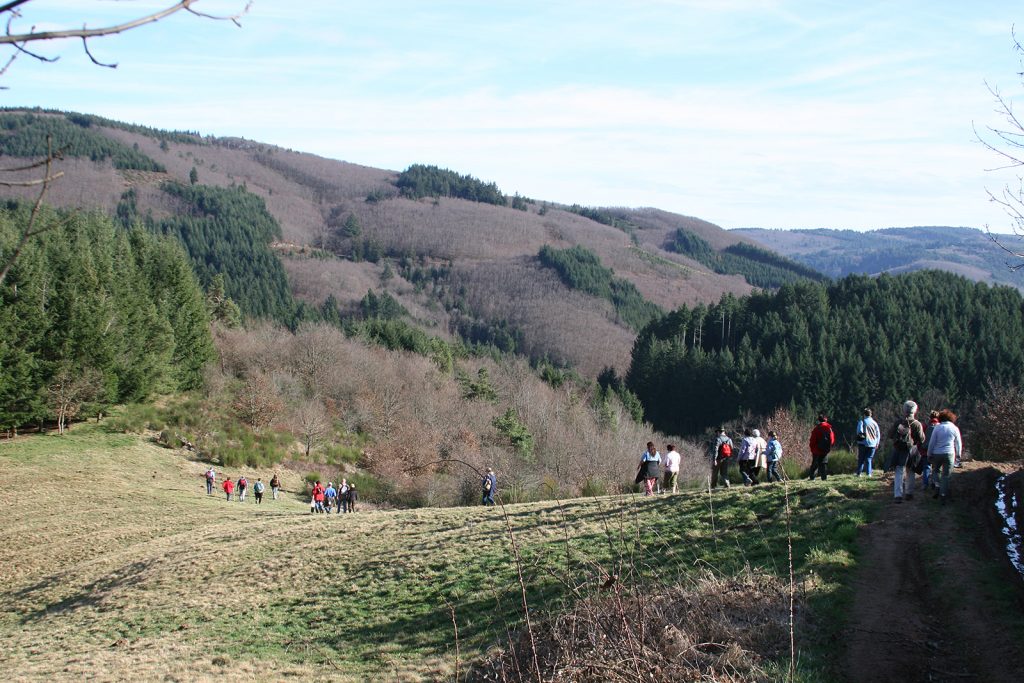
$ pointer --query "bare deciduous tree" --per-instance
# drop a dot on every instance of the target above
(311, 422)
(1007, 143)
(256, 403)
(69, 391)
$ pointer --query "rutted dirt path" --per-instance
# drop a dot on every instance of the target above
(936, 598)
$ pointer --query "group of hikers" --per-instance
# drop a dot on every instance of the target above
(323, 498)
(240, 487)
(930, 451)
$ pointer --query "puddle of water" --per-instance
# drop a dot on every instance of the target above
(1007, 509)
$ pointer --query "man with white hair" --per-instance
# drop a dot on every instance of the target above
(906, 434)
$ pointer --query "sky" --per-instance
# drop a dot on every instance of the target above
(745, 113)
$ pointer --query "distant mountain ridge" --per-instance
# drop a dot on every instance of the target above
(965, 251)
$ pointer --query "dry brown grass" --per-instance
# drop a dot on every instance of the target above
(712, 628)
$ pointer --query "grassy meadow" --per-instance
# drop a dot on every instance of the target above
(116, 565)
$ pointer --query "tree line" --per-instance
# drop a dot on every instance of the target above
(580, 268)
(227, 231)
(37, 135)
(759, 267)
(92, 315)
(835, 347)
(420, 180)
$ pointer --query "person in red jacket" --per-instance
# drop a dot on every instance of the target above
(229, 487)
(821, 442)
(318, 496)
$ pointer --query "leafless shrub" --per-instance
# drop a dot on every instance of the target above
(712, 629)
(256, 403)
(793, 433)
(997, 429)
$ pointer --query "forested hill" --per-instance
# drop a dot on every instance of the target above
(837, 253)
(297, 237)
(834, 347)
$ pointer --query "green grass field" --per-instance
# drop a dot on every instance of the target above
(116, 565)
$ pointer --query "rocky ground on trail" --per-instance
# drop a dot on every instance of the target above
(937, 599)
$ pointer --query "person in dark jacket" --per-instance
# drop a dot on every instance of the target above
(906, 435)
(488, 487)
(650, 468)
(353, 497)
(821, 442)
(721, 456)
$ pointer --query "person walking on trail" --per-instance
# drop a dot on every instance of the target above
(330, 497)
(229, 487)
(925, 468)
(945, 448)
(342, 496)
(243, 484)
(672, 460)
(211, 479)
(318, 496)
(721, 456)
(648, 470)
(275, 485)
(772, 455)
(868, 436)
(760, 462)
(257, 490)
(821, 442)
(746, 457)
(906, 434)
(353, 497)
(488, 486)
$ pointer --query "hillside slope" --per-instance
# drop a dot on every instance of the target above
(117, 561)
(963, 251)
(483, 257)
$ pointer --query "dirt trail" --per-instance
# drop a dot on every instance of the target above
(936, 598)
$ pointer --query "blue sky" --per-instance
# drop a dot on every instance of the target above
(741, 112)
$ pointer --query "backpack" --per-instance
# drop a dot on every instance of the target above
(209, 474)
(242, 483)
(905, 434)
(487, 483)
(824, 442)
(724, 450)
(771, 449)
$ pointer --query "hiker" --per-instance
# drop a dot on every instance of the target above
(275, 485)
(243, 484)
(211, 478)
(257, 490)
(647, 471)
(925, 468)
(330, 497)
(868, 436)
(229, 487)
(906, 434)
(342, 496)
(353, 496)
(745, 460)
(488, 485)
(318, 496)
(821, 442)
(945, 448)
(773, 454)
(672, 459)
(721, 456)
(760, 462)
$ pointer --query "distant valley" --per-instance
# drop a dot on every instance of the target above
(836, 253)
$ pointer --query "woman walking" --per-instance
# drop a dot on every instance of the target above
(650, 463)
(945, 446)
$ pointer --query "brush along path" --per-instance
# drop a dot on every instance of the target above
(936, 597)
(117, 565)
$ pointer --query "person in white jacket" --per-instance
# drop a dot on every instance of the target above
(945, 445)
